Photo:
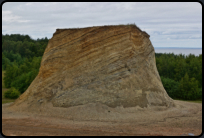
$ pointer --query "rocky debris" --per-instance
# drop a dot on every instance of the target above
(189, 134)
(111, 65)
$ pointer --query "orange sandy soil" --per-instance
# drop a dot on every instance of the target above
(23, 124)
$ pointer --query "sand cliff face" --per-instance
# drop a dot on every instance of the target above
(111, 65)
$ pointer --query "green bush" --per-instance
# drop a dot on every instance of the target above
(171, 87)
(199, 96)
(23, 81)
(12, 93)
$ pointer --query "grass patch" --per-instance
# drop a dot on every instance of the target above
(195, 101)
(7, 101)
(129, 24)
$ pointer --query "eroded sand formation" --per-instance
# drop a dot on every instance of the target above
(109, 65)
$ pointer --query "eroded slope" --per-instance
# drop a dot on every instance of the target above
(111, 65)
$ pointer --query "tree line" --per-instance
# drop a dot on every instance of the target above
(21, 57)
(181, 75)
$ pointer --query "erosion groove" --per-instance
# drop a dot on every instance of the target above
(110, 65)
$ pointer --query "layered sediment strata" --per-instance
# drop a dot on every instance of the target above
(111, 65)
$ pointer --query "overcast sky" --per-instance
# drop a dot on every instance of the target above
(171, 24)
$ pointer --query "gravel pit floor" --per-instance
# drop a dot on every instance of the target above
(185, 118)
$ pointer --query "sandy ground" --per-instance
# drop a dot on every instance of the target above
(185, 118)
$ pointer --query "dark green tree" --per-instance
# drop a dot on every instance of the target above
(170, 86)
(188, 88)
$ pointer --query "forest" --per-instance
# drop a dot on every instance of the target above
(21, 57)
(181, 75)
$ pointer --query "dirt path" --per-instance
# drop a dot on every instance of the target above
(19, 124)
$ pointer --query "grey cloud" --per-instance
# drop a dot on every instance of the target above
(165, 21)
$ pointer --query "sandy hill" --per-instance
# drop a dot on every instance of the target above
(109, 65)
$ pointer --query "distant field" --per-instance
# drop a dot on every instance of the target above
(195, 101)
(5, 100)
